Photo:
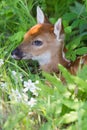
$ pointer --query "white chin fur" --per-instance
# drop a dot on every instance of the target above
(43, 59)
(15, 57)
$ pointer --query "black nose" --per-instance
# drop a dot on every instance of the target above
(17, 52)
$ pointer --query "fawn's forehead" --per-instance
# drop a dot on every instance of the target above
(38, 29)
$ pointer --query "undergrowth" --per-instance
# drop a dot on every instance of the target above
(29, 99)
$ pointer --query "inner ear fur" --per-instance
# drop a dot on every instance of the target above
(41, 17)
(59, 30)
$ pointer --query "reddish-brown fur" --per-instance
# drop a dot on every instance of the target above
(38, 29)
(77, 64)
(50, 53)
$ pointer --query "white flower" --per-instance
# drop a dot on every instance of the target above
(34, 90)
(1, 62)
(21, 97)
(14, 73)
(27, 85)
(30, 86)
(3, 85)
(15, 95)
(32, 102)
(17, 76)
(24, 97)
(37, 82)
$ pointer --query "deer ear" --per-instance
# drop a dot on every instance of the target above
(58, 29)
(41, 18)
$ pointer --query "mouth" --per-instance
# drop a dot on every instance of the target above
(17, 54)
(24, 56)
(16, 57)
(27, 57)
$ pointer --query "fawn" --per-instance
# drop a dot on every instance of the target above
(44, 42)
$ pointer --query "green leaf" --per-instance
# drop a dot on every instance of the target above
(72, 127)
(72, 104)
(69, 17)
(70, 117)
(82, 85)
(17, 36)
(78, 8)
(56, 83)
(75, 23)
(81, 51)
(66, 74)
(13, 120)
(46, 126)
(68, 29)
(74, 43)
(83, 73)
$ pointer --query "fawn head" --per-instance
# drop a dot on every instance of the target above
(43, 42)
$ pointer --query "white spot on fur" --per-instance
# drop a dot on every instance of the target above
(81, 61)
(63, 54)
(43, 59)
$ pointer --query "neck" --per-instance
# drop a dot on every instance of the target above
(56, 59)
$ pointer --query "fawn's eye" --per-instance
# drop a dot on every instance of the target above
(37, 43)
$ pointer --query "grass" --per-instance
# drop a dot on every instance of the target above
(30, 101)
